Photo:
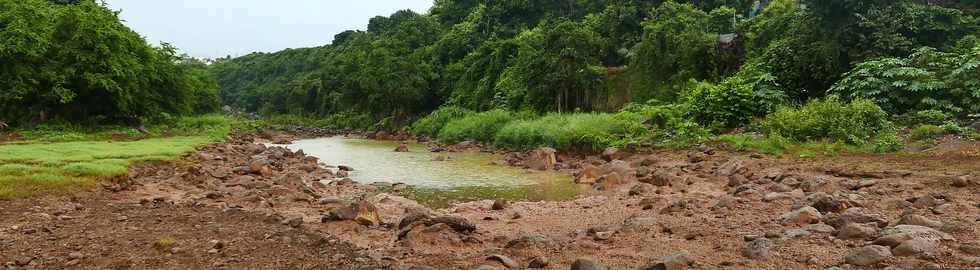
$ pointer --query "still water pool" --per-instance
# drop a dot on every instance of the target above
(459, 177)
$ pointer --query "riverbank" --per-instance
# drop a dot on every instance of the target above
(240, 204)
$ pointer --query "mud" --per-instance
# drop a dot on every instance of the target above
(644, 209)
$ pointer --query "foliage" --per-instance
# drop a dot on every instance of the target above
(673, 49)
(78, 62)
(430, 125)
(931, 117)
(859, 122)
(563, 131)
(926, 131)
(926, 80)
(669, 124)
(480, 127)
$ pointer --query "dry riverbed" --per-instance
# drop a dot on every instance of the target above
(242, 205)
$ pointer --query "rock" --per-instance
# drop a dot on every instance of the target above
(216, 244)
(76, 255)
(864, 184)
(918, 232)
(971, 248)
(402, 148)
(661, 178)
(914, 247)
(459, 224)
(775, 196)
(293, 220)
(827, 203)
(392, 208)
(730, 168)
(677, 261)
(856, 231)
(819, 228)
(367, 214)
(640, 189)
(919, 220)
(802, 216)
(926, 202)
(758, 248)
(590, 175)
(611, 154)
(961, 181)
(587, 264)
(538, 262)
(507, 262)
(258, 166)
(856, 215)
(737, 180)
(892, 240)
(345, 168)
(484, 267)
(340, 214)
(868, 255)
(604, 235)
(543, 159)
(25, 260)
(499, 205)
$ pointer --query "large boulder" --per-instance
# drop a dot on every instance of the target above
(589, 175)
(543, 159)
(392, 208)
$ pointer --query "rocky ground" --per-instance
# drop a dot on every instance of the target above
(242, 205)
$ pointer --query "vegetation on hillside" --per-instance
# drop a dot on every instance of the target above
(690, 69)
(74, 61)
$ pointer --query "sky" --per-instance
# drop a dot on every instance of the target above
(217, 28)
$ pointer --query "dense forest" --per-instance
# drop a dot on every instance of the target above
(725, 62)
(526, 73)
(74, 61)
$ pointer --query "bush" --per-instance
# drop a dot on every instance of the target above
(480, 127)
(858, 123)
(430, 125)
(737, 100)
(927, 131)
(563, 131)
(669, 124)
(931, 117)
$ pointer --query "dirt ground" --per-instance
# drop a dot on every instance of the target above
(241, 205)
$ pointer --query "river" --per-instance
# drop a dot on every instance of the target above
(438, 179)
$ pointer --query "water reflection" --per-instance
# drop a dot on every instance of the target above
(439, 178)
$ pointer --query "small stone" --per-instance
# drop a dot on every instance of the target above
(892, 240)
(677, 261)
(640, 189)
(961, 181)
(538, 262)
(484, 267)
(402, 148)
(920, 221)
(345, 168)
(293, 220)
(602, 236)
(507, 262)
(802, 216)
(864, 183)
(587, 264)
(868, 255)
(970, 248)
(216, 244)
(758, 248)
(499, 205)
(819, 228)
(23, 260)
(76, 255)
(856, 231)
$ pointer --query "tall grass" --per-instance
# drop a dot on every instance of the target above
(567, 130)
(481, 127)
(430, 125)
(860, 122)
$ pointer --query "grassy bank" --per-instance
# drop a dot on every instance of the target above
(57, 159)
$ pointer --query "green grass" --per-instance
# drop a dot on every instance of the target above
(778, 146)
(481, 127)
(567, 130)
(44, 165)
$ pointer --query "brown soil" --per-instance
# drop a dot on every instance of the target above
(269, 208)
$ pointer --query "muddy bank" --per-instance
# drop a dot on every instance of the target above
(646, 209)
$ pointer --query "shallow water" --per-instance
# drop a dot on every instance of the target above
(461, 177)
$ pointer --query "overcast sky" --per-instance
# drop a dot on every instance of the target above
(216, 28)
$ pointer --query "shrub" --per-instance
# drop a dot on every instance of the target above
(596, 130)
(858, 122)
(669, 124)
(430, 125)
(737, 100)
(931, 117)
(480, 127)
(927, 131)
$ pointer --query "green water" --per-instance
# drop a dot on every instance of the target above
(461, 177)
